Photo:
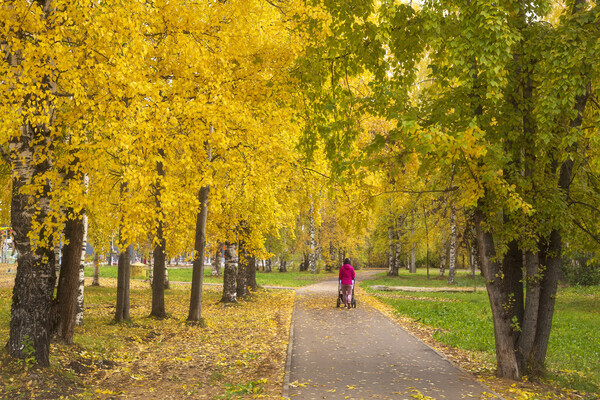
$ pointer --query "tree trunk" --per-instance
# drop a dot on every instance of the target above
(282, 265)
(123, 275)
(452, 249)
(532, 302)
(242, 275)
(473, 257)
(195, 311)
(65, 304)
(506, 360)
(391, 251)
(216, 265)
(229, 275)
(443, 258)
(31, 155)
(158, 285)
(36, 276)
(96, 279)
(268, 265)
(312, 255)
(251, 280)
(512, 272)
(413, 246)
(398, 247)
(81, 288)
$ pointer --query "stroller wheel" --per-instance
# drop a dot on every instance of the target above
(353, 304)
(338, 302)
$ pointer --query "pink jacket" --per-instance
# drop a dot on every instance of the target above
(346, 274)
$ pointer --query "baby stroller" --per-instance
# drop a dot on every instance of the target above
(339, 298)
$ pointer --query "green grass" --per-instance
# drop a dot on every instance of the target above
(464, 321)
(275, 278)
(462, 278)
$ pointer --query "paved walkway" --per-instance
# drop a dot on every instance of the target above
(359, 353)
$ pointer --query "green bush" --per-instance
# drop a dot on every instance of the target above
(581, 271)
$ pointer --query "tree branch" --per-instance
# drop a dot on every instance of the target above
(596, 238)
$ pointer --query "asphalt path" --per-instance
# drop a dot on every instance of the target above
(336, 353)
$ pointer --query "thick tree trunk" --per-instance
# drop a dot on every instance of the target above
(512, 272)
(123, 275)
(229, 275)
(195, 311)
(81, 288)
(65, 304)
(532, 302)
(36, 275)
(506, 360)
(452, 246)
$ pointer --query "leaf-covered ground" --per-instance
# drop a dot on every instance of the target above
(241, 351)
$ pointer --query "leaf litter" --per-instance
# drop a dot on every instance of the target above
(240, 353)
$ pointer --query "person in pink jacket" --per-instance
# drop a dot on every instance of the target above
(346, 281)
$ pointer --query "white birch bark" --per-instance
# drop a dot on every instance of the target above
(311, 257)
(391, 250)
(413, 246)
(452, 251)
(81, 289)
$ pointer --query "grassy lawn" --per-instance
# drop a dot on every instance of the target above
(464, 320)
(275, 278)
(462, 278)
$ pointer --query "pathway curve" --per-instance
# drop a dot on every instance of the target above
(336, 353)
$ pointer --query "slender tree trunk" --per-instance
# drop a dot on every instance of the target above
(229, 275)
(312, 255)
(452, 251)
(443, 257)
(81, 288)
(398, 247)
(413, 246)
(167, 282)
(242, 275)
(123, 276)
(195, 311)
(96, 278)
(268, 265)
(391, 250)
(65, 304)
(158, 285)
(473, 257)
(251, 279)
(216, 265)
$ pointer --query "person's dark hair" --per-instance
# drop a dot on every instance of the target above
(346, 261)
